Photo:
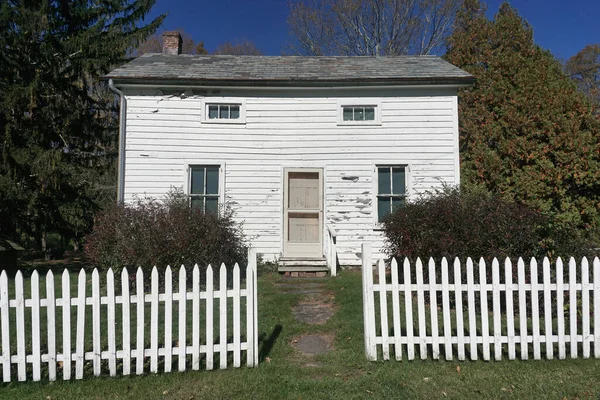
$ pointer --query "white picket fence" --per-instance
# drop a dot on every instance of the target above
(565, 319)
(41, 351)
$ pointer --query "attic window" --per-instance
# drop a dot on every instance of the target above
(223, 111)
(358, 113)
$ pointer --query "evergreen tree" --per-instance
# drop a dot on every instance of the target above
(57, 124)
(525, 130)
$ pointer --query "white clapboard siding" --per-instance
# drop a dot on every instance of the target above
(100, 304)
(521, 318)
(419, 129)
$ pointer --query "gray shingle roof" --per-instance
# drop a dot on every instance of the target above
(288, 70)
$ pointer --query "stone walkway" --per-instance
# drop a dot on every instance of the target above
(315, 307)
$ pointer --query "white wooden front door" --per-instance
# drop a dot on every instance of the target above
(303, 212)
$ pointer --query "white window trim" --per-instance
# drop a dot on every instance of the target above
(187, 182)
(359, 102)
(238, 101)
(375, 189)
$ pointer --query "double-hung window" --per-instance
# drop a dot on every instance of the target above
(391, 189)
(204, 188)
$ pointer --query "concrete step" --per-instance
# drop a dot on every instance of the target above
(303, 265)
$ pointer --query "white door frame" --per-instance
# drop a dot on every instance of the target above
(299, 250)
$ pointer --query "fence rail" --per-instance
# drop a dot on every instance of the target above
(516, 316)
(36, 343)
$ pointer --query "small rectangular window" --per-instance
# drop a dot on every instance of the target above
(204, 188)
(358, 113)
(391, 189)
(224, 111)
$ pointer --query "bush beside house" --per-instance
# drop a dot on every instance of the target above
(151, 233)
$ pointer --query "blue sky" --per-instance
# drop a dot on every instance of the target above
(562, 26)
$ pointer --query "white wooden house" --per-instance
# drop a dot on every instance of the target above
(307, 151)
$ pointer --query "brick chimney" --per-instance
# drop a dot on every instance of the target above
(171, 43)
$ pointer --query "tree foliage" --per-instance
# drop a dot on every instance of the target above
(57, 124)
(584, 69)
(525, 130)
(238, 48)
(364, 27)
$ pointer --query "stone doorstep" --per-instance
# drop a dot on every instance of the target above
(305, 274)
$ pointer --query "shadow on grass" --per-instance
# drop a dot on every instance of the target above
(268, 343)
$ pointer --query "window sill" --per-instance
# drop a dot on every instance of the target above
(223, 122)
(353, 123)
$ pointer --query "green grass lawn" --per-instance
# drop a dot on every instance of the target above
(343, 373)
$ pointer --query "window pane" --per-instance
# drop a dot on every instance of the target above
(212, 204)
(359, 113)
(235, 112)
(383, 208)
(212, 180)
(383, 178)
(398, 202)
(223, 112)
(369, 114)
(196, 204)
(197, 180)
(347, 113)
(398, 181)
(213, 112)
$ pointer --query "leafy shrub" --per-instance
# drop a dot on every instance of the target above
(470, 223)
(151, 233)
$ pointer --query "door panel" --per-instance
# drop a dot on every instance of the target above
(303, 212)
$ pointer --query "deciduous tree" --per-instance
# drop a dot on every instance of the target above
(154, 44)
(366, 27)
(584, 69)
(525, 130)
(239, 48)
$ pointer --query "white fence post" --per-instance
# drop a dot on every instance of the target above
(368, 303)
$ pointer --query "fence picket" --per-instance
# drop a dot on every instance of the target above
(51, 322)
(596, 307)
(548, 310)
(20, 314)
(96, 322)
(471, 307)
(79, 344)
(460, 328)
(140, 306)
(168, 319)
(67, 356)
(249, 312)
(496, 309)
(368, 303)
(154, 320)
(410, 348)
(522, 310)
(36, 353)
(585, 306)
(446, 310)
(573, 307)
(560, 309)
(433, 310)
(535, 309)
(421, 315)
(196, 318)
(237, 357)
(383, 312)
(126, 320)
(223, 317)
(110, 322)
(5, 324)
(510, 309)
(396, 310)
(485, 322)
(209, 318)
(182, 341)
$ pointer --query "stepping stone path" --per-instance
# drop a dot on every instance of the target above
(315, 308)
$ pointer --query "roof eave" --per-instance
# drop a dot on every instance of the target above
(292, 83)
